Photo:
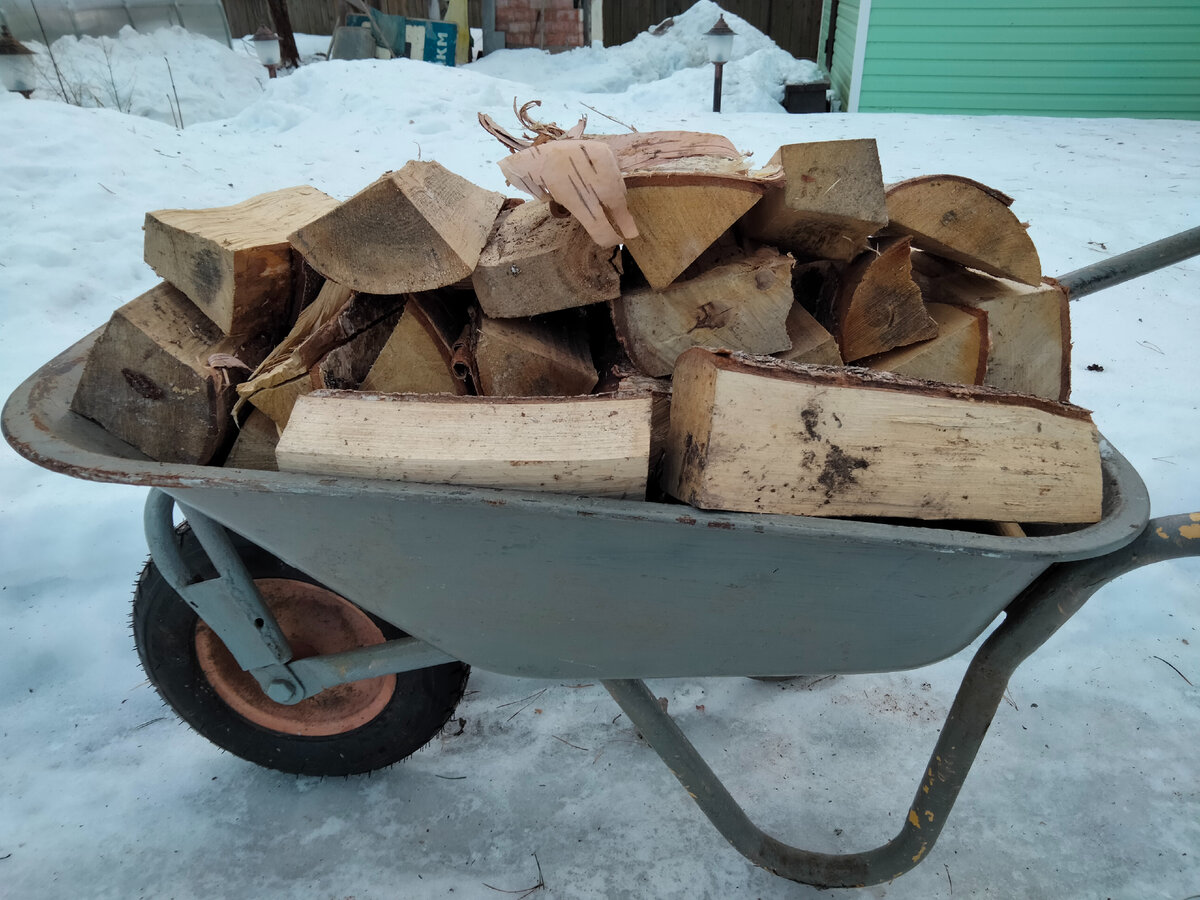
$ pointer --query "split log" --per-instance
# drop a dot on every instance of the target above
(535, 263)
(659, 392)
(959, 353)
(741, 305)
(342, 368)
(678, 217)
(581, 176)
(544, 357)
(588, 446)
(234, 262)
(161, 377)
(276, 401)
(417, 229)
(254, 447)
(810, 342)
(294, 367)
(832, 200)
(418, 357)
(279, 366)
(878, 306)
(965, 221)
(347, 365)
(1030, 326)
(765, 436)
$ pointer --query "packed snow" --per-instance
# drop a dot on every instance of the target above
(1086, 785)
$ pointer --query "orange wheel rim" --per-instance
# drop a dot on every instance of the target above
(315, 621)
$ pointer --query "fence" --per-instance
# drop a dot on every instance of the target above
(794, 25)
(318, 16)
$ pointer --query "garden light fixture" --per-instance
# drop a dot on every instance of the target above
(266, 45)
(720, 48)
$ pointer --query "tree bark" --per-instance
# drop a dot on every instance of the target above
(288, 53)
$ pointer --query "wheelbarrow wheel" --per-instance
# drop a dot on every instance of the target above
(345, 730)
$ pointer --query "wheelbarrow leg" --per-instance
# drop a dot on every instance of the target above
(233, 608)
(1036, 614)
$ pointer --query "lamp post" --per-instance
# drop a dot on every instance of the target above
(266, 45)
(720, 48)
(16, 65)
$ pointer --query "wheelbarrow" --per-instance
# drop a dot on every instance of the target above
(325, 625)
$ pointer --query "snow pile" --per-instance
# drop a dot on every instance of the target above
(164, 75)
(673, 62)
(174, 76)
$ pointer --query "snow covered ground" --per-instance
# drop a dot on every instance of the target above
(1086, 786)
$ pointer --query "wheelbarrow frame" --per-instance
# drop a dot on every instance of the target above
(1055, 575)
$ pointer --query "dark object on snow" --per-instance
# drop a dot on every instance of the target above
(806, 98)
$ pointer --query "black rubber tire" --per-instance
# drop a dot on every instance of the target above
(164, 629)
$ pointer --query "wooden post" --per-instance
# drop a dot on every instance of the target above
(283, 27)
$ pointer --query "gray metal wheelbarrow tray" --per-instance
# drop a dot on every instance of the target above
(548, 586)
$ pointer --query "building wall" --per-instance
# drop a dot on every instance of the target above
(548, 24)
(841, 73)
(1034, 57)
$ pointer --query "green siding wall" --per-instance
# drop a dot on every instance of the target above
(823, 31)
(1034, 57)
(843, 50)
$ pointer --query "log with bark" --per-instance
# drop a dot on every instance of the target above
(338, 318)
(162, 378)
(433, 289)
(1030, 326)
(759, 435)
(740, 305)
(535, 263)
(964, 221)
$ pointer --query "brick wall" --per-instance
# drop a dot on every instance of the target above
(548, 24)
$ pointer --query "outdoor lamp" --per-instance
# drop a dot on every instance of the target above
(720, 48)
(16, 64)
(266, 45)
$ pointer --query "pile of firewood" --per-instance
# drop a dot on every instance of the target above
(660, 319)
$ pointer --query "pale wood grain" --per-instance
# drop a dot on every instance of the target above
(416, 229)
(958, 354)
(678, 218)
(778, 438)
(832, 201)
(591, 446)
(965, 221)
(234, 262)
(1030, 326)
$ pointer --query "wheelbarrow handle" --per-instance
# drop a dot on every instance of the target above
(1030, 620)
(1133, 264)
